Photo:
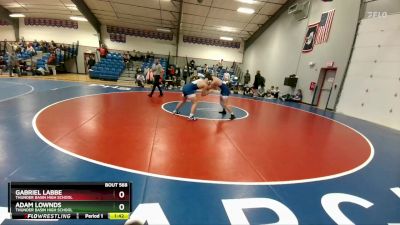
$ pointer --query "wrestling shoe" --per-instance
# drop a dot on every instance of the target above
(192, 118)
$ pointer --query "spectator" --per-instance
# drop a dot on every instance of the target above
(178, 73)
(247, 78)
(157, 70)
(3, 65)
(31, 51)
(269, 93)
(12, 64)
(227, 77)
(219, 64)
(185, 74)
(194, 76)
(126, 59)
(276, 92)
(51, 63)
(149, 74)
(171, 72)
(132, 56)
(298, 97)
(140, 80)
(259, 81)
(140, 56)
(215, 70)
(192, 63)
(138, 70)
(103, 51)
(91, 62)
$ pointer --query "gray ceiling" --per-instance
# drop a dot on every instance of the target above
(211, 18)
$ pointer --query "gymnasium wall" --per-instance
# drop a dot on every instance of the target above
(372, 87)
(85, 33)
(277, 52)
(7, 32)
(210, 52)
(380, 6)
(162, 47)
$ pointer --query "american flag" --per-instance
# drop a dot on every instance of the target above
(324, 27)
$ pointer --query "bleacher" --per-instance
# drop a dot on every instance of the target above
(40, 63)
(24, 55)
(109, 68)
(148, 63)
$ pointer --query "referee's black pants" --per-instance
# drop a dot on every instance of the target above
(156, 83)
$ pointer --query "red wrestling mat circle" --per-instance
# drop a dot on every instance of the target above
(274, 145)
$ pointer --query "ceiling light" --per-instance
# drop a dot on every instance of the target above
(226, 38)
(228, 29)
(78, 18)
(248, 1)
(245, 10)
(72, 8)
(164, 30)
(17, 15)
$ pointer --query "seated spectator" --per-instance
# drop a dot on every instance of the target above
(227, 78)
(126, 58)
(41, 71)
(269, 93)
(140, 56)
(2, 65)
(18, 49)
(171, 72)
(205, 69)
(194, 76)
(31, 51)
(176, 81)
(215, 70)
(234, 65)
(275, 92)
(248, 90)
(35, 43)
(22, 67)
(298, 97)
(138, 70)
(140, 80)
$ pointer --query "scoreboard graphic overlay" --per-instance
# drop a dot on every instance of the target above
(110, 200)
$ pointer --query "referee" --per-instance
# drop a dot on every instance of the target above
(157, 69)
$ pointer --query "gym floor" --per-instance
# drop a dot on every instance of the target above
(278, 162)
